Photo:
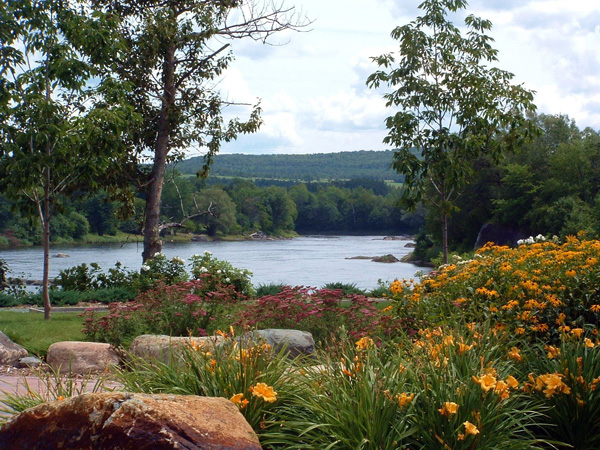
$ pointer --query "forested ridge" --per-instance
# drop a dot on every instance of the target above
(321, 166)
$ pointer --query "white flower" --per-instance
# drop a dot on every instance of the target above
(520, 242)
(227, 280)
(203, 269)
(540, 238)
(207, 253)
(177, 259)
(145, 268)
(219, 271)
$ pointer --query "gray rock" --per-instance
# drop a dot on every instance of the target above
(10, 353)
(163, 348)
(296, 342)
(31, 361)
(62, 255)
(81, 357)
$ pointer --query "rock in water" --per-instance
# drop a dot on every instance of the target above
(10, 353)
(123, 421)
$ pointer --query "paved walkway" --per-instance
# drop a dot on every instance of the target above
(11, 385)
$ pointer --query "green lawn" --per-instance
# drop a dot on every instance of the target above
(31, 331)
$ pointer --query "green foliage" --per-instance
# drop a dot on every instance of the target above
(268, 289)
(56, 135)
(215, 272)
(566, 385)
(160, 269)
(346, 288)
(221, 219)
(453, 108)
(186, 308)
(342, 406)
(234, 367)
(374, 165)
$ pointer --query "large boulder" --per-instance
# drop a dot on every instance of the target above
(296, 342)
(10, 353)
(163, 348)
(81, 357)
(122, 421)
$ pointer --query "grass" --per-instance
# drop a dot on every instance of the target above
(35, 334)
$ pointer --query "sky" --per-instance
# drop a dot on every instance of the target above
(312, 85)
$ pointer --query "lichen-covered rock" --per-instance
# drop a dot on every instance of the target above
(296, 342)
(123, 421)
(81, 357)
(10, 353)
(163, 348)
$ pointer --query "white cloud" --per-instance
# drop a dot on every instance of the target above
(313, 90)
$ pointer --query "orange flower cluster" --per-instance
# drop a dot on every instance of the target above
(533, 289)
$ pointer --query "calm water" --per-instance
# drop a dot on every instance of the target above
(310, 261)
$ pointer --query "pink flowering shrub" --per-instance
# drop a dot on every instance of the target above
(322, 312)
(183, 309)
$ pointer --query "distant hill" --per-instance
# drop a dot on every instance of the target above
(322, 166)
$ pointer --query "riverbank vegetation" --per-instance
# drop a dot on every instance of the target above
(238, 207)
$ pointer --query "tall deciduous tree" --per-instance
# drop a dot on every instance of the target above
(56, 135)
(177, 50)
(454, 105)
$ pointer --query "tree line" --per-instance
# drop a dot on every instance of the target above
(236, 207)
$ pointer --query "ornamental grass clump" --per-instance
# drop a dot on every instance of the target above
(355, 399)
(469, 396)
(250, 374)
(539, 289)
(187, 308)
(565, 381)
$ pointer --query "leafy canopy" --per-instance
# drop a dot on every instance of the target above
(453, 105)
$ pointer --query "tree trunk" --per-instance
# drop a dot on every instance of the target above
(445, 236)
(152, 242)
(46, 238)
(444, 222)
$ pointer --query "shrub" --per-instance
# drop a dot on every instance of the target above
(159, 269)
(215, 272)
(538, 289)
(185, 308)
(346, 288)
(268, 289)
(322, 312)
(3, 275)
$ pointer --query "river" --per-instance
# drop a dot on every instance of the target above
(309, 260)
